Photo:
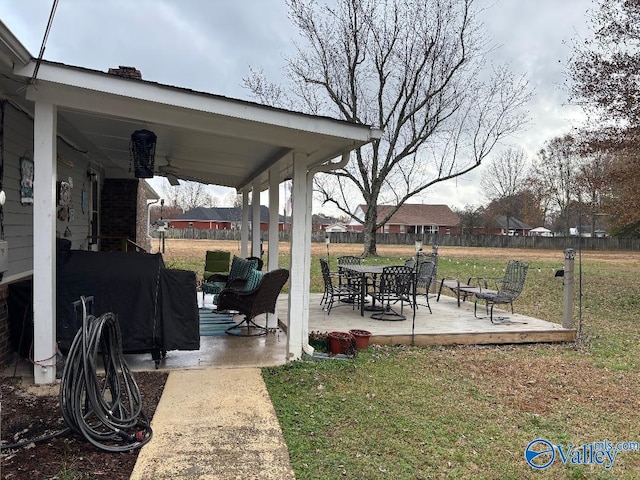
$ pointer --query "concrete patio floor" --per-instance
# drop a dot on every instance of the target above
(447, 325)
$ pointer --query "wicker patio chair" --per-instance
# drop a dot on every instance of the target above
(261, 299)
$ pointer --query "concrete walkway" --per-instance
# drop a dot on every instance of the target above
(214, 423)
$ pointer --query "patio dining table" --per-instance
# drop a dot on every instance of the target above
(371, 271)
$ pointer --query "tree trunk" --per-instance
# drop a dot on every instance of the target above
(370, 232)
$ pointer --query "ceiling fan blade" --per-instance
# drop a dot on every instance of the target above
(173, 180)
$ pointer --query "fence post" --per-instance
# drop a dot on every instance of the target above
(567, 282)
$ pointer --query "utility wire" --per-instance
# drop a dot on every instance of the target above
(44, 40)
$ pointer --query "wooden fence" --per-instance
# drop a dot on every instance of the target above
(500, 241)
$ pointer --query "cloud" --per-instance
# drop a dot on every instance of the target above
(208, 45)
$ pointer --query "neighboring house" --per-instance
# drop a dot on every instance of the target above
(221, 218)
(514, 227)
(320, 222)
(336, 227)
(413, 218)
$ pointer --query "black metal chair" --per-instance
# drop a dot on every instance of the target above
(395, 285)
(424, 277)
(261, 299)
(336, 292)
(508, 290)
(348, 277)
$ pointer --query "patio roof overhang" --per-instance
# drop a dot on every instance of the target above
(201, 137)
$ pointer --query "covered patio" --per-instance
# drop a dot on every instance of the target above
(200, 137)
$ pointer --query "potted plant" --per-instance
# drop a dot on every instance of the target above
(341, 342)
(361, 338)
(319, 341)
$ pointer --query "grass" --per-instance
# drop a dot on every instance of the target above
(469, 412)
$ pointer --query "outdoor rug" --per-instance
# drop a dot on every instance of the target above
(213, 323)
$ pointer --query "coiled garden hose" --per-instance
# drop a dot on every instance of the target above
(107, 410)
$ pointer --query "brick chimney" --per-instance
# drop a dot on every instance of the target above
(126, 72)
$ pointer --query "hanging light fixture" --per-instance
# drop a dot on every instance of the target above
(142, 149)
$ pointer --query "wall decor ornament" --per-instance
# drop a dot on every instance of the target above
(26, 181)
(64, 193)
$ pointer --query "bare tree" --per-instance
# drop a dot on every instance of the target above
(188, 195)
(471, 218)
(412, 68)
(555, 173)
(504, 178)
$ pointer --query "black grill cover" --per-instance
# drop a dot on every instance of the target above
(179, 308)
(127, 284)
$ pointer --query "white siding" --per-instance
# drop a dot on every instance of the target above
(18, 218)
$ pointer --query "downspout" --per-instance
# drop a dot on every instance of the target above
(322, 168)
(149, 216)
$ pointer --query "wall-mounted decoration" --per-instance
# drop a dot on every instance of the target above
(84, 200)
(63, 213)
(26, 181)
(64, 193)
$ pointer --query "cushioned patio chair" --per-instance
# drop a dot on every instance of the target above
(216, 262)
(259, 300)
(508, 290)
(237, 277)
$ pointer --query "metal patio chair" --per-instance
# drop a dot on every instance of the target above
(508, 290)
(424, 277)
(395, 285)
(336, 292)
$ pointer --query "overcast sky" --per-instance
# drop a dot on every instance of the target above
(208, 45)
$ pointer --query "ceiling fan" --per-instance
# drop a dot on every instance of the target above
(169, 172)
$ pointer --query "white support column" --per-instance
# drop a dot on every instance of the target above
(255, 220)
(307, 259)
(44, 243)
(300, 249)
(244, 232)
(274, 216)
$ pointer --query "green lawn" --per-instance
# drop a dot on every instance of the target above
(469, 412)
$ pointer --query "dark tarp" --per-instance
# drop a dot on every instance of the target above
(126, 284)
(179, 309)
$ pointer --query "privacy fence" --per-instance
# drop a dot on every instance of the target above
(551, 243)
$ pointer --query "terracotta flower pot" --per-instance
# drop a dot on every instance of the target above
(361, 337)
(340, 342)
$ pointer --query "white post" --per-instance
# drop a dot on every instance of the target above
(300, 250)
(244, 229)
(255, 220)
(44, 243)
(274, 217)
(568, 283)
